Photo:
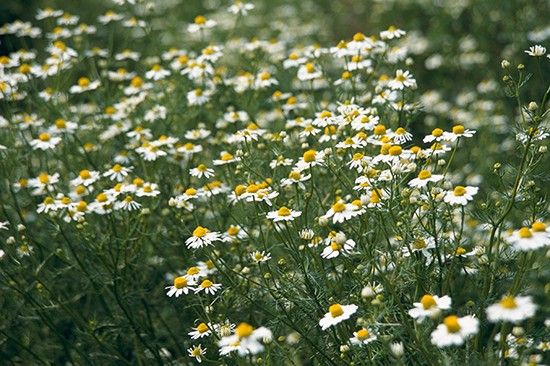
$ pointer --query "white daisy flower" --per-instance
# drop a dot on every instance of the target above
(117, 172)
(336, 248)
(336, 314)
(283, 214)
(202, 237)
(201, 171)
(454, 331)
(424, 177)
(200, 331)
(526, 239)
(512, 309)
(209, 287)
(182, 285)
(402, 80)
(86, 177)
(259, 257)
(246, 340)
(197, 352)
(429, 306)
(84, 84)
(362, 336)
(460, 195)
(45, 142)
(536, 51)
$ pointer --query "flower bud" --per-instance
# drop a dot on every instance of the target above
(505, 64)
(533, 106)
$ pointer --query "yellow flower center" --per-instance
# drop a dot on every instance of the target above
(44, 136)
(459, 191)
(200, 20)
(437, 132)
(83, 82)
(310, 68)
(85, 174)
(81, 206)
(202, 328)
(207, 284)
(283, 211)
(244, 330)
(508, 302)
(102, 197)
(419, 243)
(336, 310)
(424, 174)
(395, 150)
(358, 37)
(335, 246)
(193, 271)
(60, 123)
(136, 82)
(460, 251)
(325, 114)
(180, 282)
(338, 206)
(538, 227)
(44, 178)
(200, 231)
(458, 129)
(362, 334)
(296, 175)
(379, 130)
(309, 156)
(428, 302)
(451, 322)
(525, 233)
(117, 168)
(233, 230)
(227, 156)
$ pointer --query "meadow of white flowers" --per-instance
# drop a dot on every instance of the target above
(230, 183)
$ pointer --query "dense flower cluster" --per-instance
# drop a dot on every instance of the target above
(281, 201)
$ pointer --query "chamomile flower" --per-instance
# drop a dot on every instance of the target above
(512, 309)
(424, 177)
(45, 142)
(245, 341)
(309, 159)
(201, 171)
(259, 257)
(457, 132)
(198, 96)
(197, 352)
(536, 51)
(460, 195)
(200, 331)
(241, 8)
(283, 214)
(337, 313)
(341, 211)
(86, 178)
(157, 73)
(200, 24)
(402, 80)
(526, 239)
(208, 287)
(202, 237)
(429, 306)
(337, 247)
(83, 85)
(392, 32)
(182, 285)
(117, 172)
(454, 331)
(362, 336)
